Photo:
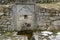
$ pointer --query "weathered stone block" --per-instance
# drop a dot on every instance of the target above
(54, 18)
(7, 14)
(57, 22)
(52, 28)
(10, 28)
(4, 23)
(4, 26)
(0, 23)
(1, 13)
(4, 17)
(8, 23)
(3, 20)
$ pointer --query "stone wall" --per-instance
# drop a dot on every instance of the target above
(5, 20)
(20, 37)
(42, 18)
(46, 1)
(47, 18)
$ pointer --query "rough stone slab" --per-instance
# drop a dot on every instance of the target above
(57, 22)
(0, 23)
(8, 23)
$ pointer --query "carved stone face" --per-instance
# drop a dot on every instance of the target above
(24, 15)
